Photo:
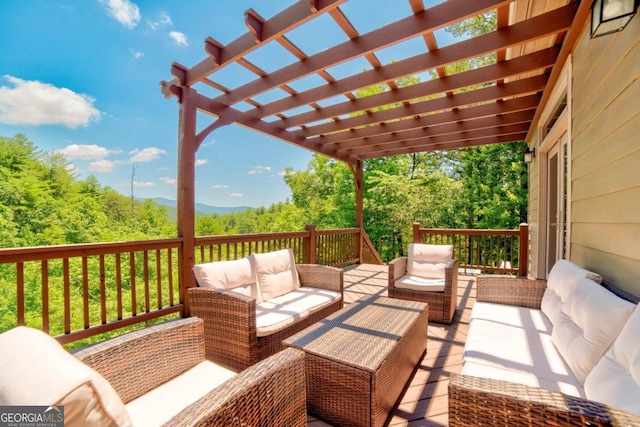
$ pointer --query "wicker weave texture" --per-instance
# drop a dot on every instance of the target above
(442, 305)
(480, 402)
(360, 358)
(140, 361)
(511, 290)
(230, 319)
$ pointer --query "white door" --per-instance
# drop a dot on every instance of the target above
(557, 183)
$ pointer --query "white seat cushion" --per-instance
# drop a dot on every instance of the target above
(237, 276)
(517, 340)
(271, 318)
(428, 261)
(420, 284)
(166, 401)
(521, 377)
(597, 316)
(276, 272)
(615, 380)
(36, 370)
(309, 299)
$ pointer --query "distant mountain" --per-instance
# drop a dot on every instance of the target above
(201, 208)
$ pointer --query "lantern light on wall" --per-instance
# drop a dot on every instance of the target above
(529, 155)
(609, 16)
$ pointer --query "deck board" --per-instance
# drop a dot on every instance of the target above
(424, 401)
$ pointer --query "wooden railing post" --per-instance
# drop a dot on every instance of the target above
(416, 232)
(309, 252)
(523, 253)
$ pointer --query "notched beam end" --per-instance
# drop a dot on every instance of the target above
(255, 24)
(314, 5)
(179, 71)
(170, 89)
(214, 49)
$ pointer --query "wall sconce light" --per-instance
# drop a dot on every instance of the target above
(529, 155)
(609, 16)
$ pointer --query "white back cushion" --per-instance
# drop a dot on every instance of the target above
(277, 274)
(598, 316)
(428, 261)
(237, 276)
(36, 370)
(563, 278)
(615, 380)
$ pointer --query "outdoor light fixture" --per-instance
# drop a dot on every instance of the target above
(529, 155)
(609, 16)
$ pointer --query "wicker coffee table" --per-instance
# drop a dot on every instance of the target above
(358, 360)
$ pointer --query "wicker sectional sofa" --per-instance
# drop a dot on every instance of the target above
(559, 352)
(251, 304)
(155, 376)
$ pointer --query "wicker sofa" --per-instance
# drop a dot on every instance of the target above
(250, 305)
(559, 352)
(153, 376)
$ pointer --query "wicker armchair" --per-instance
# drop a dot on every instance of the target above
(230, 318)
(442, 304)
(270, 393)
(483, 401)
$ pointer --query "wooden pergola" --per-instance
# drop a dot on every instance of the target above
(492, 104)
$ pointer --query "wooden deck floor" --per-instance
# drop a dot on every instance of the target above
(424, 402)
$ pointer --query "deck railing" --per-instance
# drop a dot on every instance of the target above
(497, 251)
(75, 292)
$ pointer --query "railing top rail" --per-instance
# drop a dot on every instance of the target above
(41, 253)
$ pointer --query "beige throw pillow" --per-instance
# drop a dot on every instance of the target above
(277, 274)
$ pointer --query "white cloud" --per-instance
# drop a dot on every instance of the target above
(208, 143)
(179, 38)
(146, 154)
(125, 12)
(236, 195)
(164, 19)
(143, 184)
(103, 166)
(36, 103)
(169, 180)
(86, 152)
(220, 187)
(137, 54)
(259, 169)
(200, 162)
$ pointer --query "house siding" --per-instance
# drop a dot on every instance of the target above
(605, 120)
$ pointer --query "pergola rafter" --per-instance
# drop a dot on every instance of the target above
(493, 103)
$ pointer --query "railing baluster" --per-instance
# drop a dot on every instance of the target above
(145, 270)
(20, 292)
(170, 273)
(119, 285)
(103, 292)
(85, 291)
(159, 277)
(132, 277)
(66, 295)
(45, 295)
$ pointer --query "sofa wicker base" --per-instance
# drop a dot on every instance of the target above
(359, 359)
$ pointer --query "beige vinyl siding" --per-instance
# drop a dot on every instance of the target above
(534, 211)
(605, 214)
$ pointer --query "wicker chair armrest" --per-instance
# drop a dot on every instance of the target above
(321, 276)
(269, 393)
(451, 277)
(139, 361)
(511, 290)
(482, 401)
(229, 323)
(397, 269)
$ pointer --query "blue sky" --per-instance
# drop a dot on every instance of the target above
(81, 77)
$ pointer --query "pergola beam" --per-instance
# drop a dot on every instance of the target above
(437, 17)
(533, 61)
(523, 103)
(512, 89)
(541, 26)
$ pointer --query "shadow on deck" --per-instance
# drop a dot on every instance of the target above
(424, 402)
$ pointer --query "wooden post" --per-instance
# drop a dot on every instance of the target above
(359, 182)
(309, 254)
(416, 232)
(523, 253)
(186, 191)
